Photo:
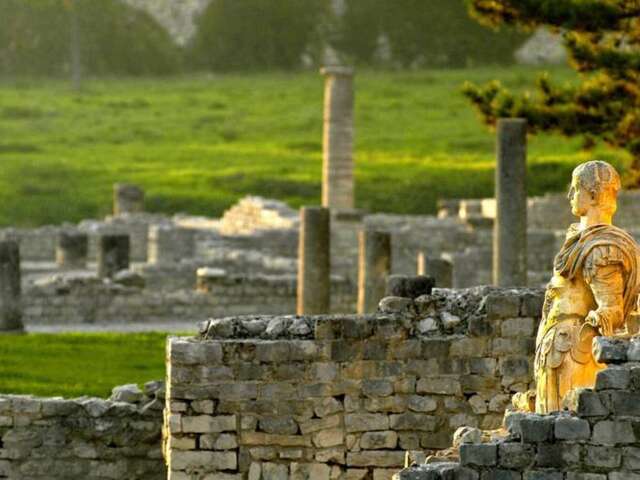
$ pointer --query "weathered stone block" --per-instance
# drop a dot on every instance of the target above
(309, 471)
(378, 440)
(516, 455)
(333, 421)
(208, 424)
(413, 421)
(586, 403)
(328, 438)
(439, 385)
(377, 388)
(613, 433)
(542, 475)
(585, 476)
(623, 403)
(422, 404)
(571, 428)
(375, 458)
(273, 351)
(481, 455)
(495, 474)
(274, 471)
(363, 422)
(602, 457)
(536, 429)
(517, 327)
(549, 455)
(285, 425)
(610, 350)
(613, 378)
(500, 305)
(181, 460)
(187, 352)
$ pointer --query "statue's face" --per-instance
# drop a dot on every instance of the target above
(579, 198)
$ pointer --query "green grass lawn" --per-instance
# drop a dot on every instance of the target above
(73, 365)
(198, 143)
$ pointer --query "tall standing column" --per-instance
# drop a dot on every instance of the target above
(314, 269)
(127, 198)
(10, 308)
(510, 227)
(374, 266)
(337, 140)
(113, 254)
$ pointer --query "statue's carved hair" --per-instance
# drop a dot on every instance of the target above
(598, 177)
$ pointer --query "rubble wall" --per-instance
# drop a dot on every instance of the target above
(83, 439)
(596, 438)
(344, 396)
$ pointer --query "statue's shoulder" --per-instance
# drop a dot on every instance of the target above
(609, 246)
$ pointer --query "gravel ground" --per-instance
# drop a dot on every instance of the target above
(182, 327)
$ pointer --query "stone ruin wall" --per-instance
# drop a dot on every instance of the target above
(598, 439)
(68, 300)
(81, 439)
(344, 396)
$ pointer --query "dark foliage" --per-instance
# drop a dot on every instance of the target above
(35, 38)
(258, 34)
(418, 32)
(603, 40)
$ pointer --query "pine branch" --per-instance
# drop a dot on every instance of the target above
(581, 15)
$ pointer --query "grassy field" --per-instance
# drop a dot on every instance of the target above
(72, 365)
(199, 143)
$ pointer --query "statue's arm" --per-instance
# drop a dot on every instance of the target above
(604, 271)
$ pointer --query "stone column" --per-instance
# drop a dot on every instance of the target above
(440, 269)
(113, 254)
(337, 140)
(510, 228)
(314, 265)
(72, 250)
(374, 266)
(10, 307)
(127, 198)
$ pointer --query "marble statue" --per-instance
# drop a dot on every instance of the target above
(593, 290)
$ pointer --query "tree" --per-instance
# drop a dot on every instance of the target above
(603, 41)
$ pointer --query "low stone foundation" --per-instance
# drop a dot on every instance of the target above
(82, 439)
(344, 396)
(69, 299)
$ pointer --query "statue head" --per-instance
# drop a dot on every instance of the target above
(594, 185)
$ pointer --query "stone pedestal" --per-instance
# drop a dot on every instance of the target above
(113, 254)
(10, 308)
(510, 228)
(72, 249)
(168, 244)
(374, 267)
(440, 269)
(314, 265)
(127, 198)
(337, 140)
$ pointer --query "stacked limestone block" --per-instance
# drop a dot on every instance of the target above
(344, 396)
(597, 438)
(81, 439)
(77, 299)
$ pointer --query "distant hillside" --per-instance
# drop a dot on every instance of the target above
(177, 17)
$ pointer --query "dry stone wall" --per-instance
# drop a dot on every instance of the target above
(69, 299)
(81, 439)
(344, 396)
(597, 438)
